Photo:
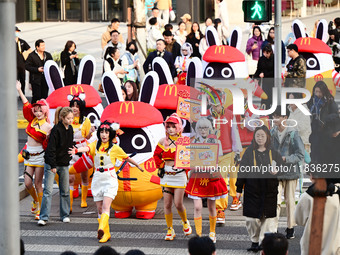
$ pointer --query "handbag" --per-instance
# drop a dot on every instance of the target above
(172, 15)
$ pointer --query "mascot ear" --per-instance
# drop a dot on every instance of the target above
(235, 38)
(298, 29)
(87, 69)
(321, 31)
(160, 66)
(212, 36)
(112, 87)
(149, 88)
(194, 71)
(52, 75)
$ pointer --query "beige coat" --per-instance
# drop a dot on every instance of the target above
(331, 224)
(164, 4)
(107, 37)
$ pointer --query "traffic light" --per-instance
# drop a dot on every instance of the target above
(257, 11)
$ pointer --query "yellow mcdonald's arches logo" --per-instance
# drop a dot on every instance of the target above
(127, 107)
(170, 87)
(305, 41)
(220, 49)
(77, 89)
(150, 164)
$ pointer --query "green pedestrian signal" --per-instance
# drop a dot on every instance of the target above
(257, 11)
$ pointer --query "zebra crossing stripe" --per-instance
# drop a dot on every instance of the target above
(121, 250)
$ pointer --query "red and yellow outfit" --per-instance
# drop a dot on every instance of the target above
(80, 132)
(173, 178)
(34, 131)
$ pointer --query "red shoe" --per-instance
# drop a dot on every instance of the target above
(146, 215)
(89, 193)
(237, 204)
(122, 215)
(75, 193)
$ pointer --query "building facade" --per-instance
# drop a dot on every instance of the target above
(100, 10)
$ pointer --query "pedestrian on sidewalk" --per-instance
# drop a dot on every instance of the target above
(82, 131)
(105, 153)
(38, 129)
(295, 75)
(23, 49)
(206, 185)
(35, 65)
(260, 189)
(56, 162)
(70, 63)
(288, 142)
(173, 180)
(164, 7)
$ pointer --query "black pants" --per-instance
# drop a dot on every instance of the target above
(21, 77)
(39, 91)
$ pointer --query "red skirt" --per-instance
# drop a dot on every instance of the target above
(213, 188)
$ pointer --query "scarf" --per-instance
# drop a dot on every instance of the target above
(318, 103)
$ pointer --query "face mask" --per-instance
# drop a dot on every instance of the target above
(16, 34)
(132, 51)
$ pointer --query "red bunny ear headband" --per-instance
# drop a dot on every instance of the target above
(115, 126)
(79, 96)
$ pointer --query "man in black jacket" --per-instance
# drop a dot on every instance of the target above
(23, 49)
(35, 65)
(171, 45)
(160, 52)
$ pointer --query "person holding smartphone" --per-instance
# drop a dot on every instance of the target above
(253, 49)
(70, 63)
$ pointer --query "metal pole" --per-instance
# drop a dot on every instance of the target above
(9, 187)
(278, 49)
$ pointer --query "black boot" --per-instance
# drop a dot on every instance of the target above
(290, 233)
(254, 247)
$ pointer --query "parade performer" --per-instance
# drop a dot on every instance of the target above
(105, 184)
(172, 179)
(82, 130)
(38, 129)
(203, 185)
(231, 142)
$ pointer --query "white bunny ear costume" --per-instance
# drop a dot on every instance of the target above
(194, 71)
(298, 29)
(53, 75)
(160, 66)
(211, 36)
(235, 38)
(321, 31)
(87, 69)
(112, 87)
(149, 88)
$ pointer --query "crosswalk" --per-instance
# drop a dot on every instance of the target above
(80, 236)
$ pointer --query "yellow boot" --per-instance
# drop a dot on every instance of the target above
(83, 196)
(71, 200)
(104, 226)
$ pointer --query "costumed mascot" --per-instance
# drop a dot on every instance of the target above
(318, 55)
(142, 125)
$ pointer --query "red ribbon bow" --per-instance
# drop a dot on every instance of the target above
(105, 126)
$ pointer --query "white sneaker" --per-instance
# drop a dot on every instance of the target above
(212, 236)
(66, 220)
(42, 223)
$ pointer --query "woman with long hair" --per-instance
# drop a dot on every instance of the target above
(325, 118)
(82, 131)
(181, 33)
(38, 129)
(131, 91)
(70, 62)
(173, 180)
(104, 187)
(112, 62)
(56, 162)
(271, 41)
(260, 188)
(194, 39)
(253, 49)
